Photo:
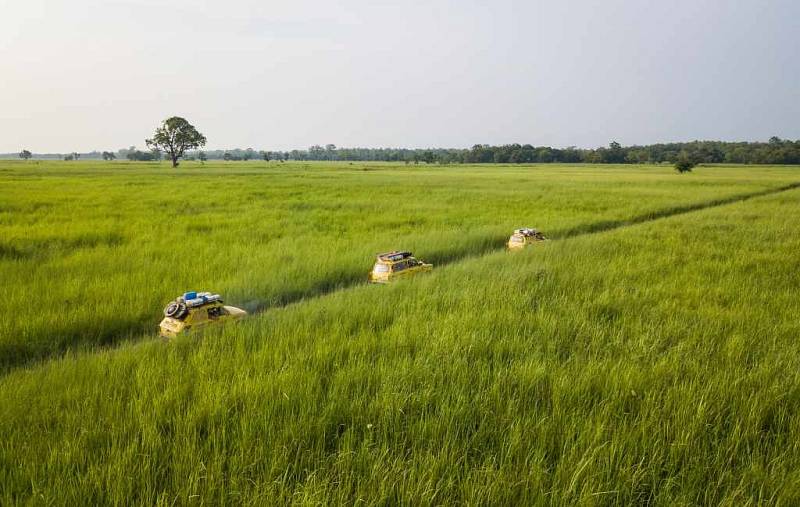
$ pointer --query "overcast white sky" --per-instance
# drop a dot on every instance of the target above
(89, 74)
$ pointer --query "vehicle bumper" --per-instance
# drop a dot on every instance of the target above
(170, 328)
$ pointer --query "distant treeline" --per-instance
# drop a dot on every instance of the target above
(775, 151)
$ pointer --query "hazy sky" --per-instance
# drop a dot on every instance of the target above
(86, 74)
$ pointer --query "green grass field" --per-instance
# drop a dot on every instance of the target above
(646, 355)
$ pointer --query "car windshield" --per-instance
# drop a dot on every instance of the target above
(380, 268)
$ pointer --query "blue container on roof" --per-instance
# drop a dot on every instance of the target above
(189, 295)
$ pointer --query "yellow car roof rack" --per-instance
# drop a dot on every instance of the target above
(394, 256)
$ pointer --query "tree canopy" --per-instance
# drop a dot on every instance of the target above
(685, 163)
(174, 137)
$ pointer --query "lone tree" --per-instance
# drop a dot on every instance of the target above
(108, 155)
(174, 137)
(202, 156)
(685, 163)
(25, 154)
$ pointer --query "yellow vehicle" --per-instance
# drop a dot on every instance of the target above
(524, 237)
(393, 265)
(196, 310)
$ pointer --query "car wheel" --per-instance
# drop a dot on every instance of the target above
(171, 309)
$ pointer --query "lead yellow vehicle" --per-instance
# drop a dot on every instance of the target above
(525, 237)
(393, 265)
(196, 310)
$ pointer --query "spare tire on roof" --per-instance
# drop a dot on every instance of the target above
(175, 310)
(171, 309)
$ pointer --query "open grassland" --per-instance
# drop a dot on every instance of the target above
(79, 242)
(629, 361)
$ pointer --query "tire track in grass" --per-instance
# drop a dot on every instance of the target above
(608, 225)
(498, 242)
(346, 280)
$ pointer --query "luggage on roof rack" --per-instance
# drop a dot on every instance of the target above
(201, 298)
(394, 256)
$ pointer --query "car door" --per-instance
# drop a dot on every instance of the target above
(200, 318)
(194, 319)
(400, 269)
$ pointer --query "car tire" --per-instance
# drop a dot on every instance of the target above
(171, 309)
(175, 310)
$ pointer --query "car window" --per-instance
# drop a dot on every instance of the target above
(215, 312)
(380, 268)
(400, 266)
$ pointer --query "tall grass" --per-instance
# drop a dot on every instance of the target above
(79, 242)
(648, 364)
